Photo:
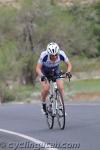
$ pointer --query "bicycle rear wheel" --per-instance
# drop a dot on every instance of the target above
(60, 110)
(49, 116)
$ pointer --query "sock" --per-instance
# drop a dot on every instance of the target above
(43, 103)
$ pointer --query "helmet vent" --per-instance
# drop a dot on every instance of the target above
(53, 50)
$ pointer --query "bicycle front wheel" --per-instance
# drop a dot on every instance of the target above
(50, 117)
(60, 110)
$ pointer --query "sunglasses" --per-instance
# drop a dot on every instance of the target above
(54, 55)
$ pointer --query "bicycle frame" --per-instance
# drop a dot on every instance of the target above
(53, 97)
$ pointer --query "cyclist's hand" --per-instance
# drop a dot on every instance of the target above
(68, 74)
(43, 78)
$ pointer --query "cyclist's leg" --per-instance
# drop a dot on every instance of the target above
(60, 86)
(45, 90)
(44, 93)
(45, 85)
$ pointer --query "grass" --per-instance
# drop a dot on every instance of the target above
(23, 93)
(28, 93)
(86, 86)
(78, 86)
(84, 64)
(76, 90)
(19, 93)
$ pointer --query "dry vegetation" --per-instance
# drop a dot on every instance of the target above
(16, 3)
(26, 31)
(11, 3)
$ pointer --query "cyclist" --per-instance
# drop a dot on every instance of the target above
(49, 61)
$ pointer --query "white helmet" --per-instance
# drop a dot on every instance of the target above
(52, 48)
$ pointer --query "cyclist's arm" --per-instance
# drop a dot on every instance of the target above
(38, 69)
(64, 58)
(39, 64)
(69, 66)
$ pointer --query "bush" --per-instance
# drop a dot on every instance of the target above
(9, 96)
(6, 94)
(27, 63)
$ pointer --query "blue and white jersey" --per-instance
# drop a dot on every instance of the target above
(48, 64)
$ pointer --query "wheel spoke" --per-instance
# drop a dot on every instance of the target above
(60, 110)
(50, 117)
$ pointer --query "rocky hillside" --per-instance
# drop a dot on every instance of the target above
(13, 3)
(8, 1)
(71, 2)
(16, 3)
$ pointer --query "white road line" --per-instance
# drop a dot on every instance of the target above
(36, 141)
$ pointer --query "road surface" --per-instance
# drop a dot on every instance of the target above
(23, 127)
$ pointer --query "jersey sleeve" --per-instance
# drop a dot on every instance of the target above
(40, 60)
(43, 57)
(63, 57)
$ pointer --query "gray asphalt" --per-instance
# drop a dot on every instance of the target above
(82, 129)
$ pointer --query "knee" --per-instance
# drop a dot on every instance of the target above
(46, 88)
(60, 87)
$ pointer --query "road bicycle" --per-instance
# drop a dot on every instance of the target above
(55, 107)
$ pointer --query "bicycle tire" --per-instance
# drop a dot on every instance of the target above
(49, 117)
(60, 110)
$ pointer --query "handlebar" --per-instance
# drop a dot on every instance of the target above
(65, 75)
(61, 75)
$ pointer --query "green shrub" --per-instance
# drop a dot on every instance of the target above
(6, 94)
(9, 96)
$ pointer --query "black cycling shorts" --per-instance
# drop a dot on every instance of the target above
(51, 73)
